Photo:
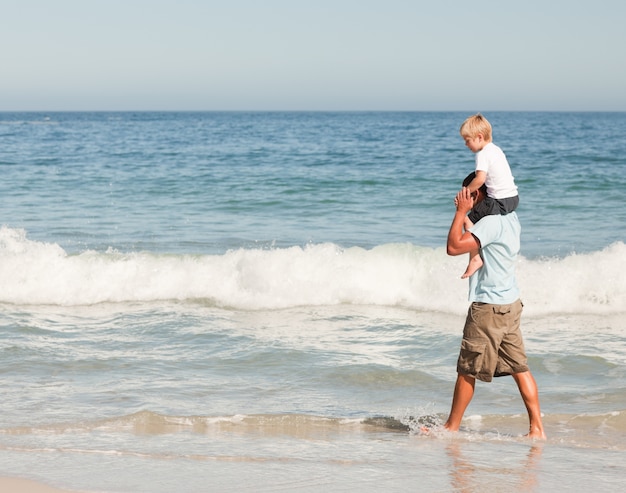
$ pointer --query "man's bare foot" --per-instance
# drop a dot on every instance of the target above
(448, 427)
(536, 434)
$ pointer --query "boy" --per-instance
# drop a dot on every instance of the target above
(492, 169)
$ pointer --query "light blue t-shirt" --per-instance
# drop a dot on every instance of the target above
(494, 282)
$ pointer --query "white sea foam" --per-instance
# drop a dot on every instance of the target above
(318, 274)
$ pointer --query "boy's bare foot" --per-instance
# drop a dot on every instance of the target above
(474, 264)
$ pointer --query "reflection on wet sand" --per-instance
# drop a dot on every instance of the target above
(474, 473)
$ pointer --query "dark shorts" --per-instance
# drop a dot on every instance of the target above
(492, 343)
(493, 207)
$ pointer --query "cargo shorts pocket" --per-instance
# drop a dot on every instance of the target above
(471, 358)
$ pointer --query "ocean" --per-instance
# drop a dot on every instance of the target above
(262, 301)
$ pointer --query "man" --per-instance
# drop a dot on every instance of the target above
(492, 343)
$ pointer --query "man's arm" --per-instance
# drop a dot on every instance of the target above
(459, 240)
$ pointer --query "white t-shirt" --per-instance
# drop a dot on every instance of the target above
(500, 182)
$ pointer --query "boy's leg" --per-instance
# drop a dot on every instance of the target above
(530, 394)
(475, 263)
(463, 393)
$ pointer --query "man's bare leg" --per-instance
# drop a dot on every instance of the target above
(530, 394)
(463, 393)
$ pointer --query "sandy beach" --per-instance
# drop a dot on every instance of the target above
(16, 485)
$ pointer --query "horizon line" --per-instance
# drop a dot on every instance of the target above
(309, 111)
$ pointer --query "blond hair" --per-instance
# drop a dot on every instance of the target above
(474, 125)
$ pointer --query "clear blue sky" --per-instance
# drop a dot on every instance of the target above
(483, 55)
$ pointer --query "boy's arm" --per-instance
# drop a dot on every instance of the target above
(460, 241)
(478, 181)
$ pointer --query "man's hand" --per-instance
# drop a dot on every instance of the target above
(464, 201)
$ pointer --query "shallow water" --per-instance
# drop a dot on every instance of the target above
(262, 302)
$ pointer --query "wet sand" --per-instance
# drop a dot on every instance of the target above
(15, 485)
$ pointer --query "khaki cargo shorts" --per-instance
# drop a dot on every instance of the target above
(492, 343)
